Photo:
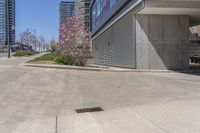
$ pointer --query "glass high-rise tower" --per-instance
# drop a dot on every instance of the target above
(66, 10)
(82, 8)
(4, 19)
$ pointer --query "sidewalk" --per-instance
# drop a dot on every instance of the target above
(17, 60)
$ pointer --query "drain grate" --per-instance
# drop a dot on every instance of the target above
(87, 110)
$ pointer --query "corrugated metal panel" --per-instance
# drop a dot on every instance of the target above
(104, 54)
(116, 46)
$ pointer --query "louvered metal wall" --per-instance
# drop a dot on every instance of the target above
(116, 46)
(104, 54)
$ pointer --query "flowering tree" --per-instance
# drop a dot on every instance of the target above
(74, 39)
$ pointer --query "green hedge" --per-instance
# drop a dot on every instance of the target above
(23, 53)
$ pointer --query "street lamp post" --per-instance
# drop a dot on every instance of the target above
(8, 27)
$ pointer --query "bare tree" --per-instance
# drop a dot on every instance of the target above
(27, 38)
(41, 43)
(53, 45)
(46, 47)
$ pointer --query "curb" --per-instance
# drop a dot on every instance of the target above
(62, 67)
(95, 69)
(106, 69)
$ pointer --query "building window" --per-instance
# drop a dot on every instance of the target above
(100, 10)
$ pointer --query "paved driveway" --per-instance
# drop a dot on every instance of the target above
(31, 98)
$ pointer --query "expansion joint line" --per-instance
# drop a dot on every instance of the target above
(56, 125)
(150, 121)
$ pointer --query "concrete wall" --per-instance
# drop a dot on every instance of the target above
(162, 42)
(174, 7)
(194, 49)
(198, 30)
(116, 46)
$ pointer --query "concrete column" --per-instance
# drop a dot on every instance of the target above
(162, 42)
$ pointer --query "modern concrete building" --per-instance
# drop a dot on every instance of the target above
(143, 34)
(67, 9)
(82, 8)
(3, 21)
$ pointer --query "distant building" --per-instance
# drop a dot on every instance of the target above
(3, 21)
(82, 8)
(66, 10)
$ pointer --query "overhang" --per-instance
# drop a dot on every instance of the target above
(174, 7)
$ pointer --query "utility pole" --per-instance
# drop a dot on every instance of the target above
(8, 27)
(35, 39)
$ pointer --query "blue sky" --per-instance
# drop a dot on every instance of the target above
(42, 15)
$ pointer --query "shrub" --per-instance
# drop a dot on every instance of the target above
(54, 46)
(23, 53)
(80, 61)
(70, 60)
(67, 60)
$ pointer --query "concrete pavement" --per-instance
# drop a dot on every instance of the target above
(3, 55)
(31, 98)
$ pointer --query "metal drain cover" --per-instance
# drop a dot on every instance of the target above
(87, 110)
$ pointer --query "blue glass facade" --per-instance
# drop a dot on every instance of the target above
(102, 10)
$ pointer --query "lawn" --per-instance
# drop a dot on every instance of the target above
(53, 58)
(48, 58)
(21, 53)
